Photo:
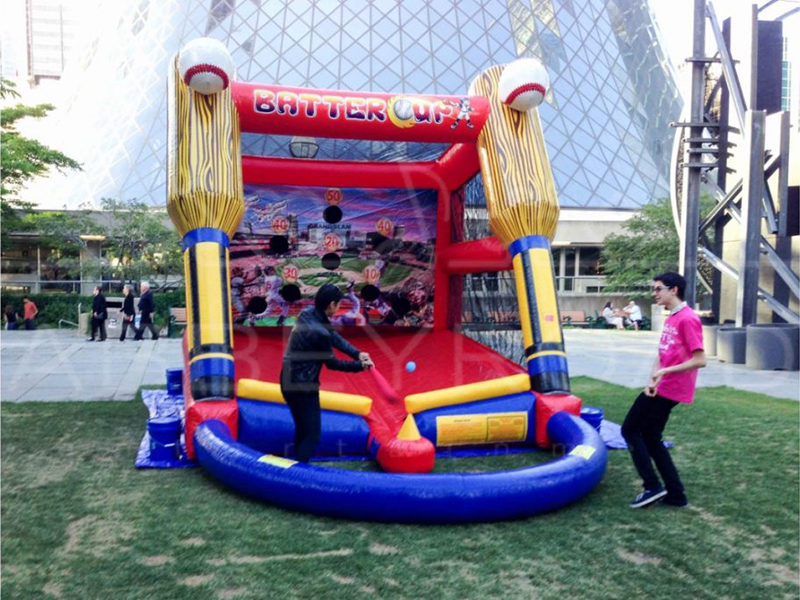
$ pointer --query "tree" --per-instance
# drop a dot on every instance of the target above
(61, 233)
(22, 158)
(650, 245)
(139, 245)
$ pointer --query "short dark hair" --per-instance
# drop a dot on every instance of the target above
(325, 295)
(672, 280)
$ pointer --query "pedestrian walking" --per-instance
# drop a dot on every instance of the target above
(147, 305)
(128, 312)
(99, 315)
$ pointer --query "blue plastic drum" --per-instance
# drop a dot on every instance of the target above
(593, 416)
(165, 435)
(175, 382)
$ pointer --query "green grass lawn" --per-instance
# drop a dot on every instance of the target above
(80, 522)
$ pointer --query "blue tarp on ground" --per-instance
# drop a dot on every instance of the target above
(160, 404)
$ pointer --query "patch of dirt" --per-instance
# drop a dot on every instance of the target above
(231, 593)
(638, 558)
(327, 532)
(159, 560)
(253, 560)
(779, 574)
(52, 589)
(382, 550)
(96, 536)
(196, 580)
(341, 579)
(519, 585)
(193, 542)
(55, 472)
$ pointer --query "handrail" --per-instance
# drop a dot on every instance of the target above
(60, 321)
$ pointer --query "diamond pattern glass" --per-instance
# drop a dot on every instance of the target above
(604, 119)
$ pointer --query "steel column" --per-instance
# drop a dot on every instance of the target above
(690, 202)
(749, 249)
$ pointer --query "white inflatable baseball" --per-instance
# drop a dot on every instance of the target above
(205, 65)
(523, 84)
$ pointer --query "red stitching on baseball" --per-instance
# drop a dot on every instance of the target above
(206, 68)
(537, 87)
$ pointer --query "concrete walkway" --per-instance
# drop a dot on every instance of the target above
(626, 357)
(59, 365)
(55, 365)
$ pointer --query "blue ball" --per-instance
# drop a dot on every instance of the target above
(411, 366)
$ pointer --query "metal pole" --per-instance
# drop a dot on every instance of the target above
(749, 249)
(783, 243)
(690, 205)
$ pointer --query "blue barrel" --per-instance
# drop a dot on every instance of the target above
(165, 435)
(593, 416)
(175, 382)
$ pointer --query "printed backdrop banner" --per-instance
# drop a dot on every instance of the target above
(376, 245)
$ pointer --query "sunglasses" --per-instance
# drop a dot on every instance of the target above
(657, 288)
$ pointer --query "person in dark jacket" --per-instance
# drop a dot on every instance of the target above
(10, 315)
(99, 315)
(128, 312)
(147, 305)
(310, 346)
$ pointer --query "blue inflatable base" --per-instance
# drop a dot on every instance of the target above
(410, 498)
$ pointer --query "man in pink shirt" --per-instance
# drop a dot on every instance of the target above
(29, 312)
(672, 381)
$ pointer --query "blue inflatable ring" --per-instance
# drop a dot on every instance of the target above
(401, 498)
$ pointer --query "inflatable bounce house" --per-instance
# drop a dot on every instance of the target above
(261, 234)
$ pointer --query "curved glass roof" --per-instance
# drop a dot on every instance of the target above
(605, 119)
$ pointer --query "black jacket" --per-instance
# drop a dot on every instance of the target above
(310, 346)
(127, 306)
(99, 306)
(146, 304)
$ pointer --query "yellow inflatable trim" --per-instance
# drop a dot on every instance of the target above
(483, 390)
(271, 392)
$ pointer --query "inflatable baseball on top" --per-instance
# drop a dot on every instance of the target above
(206, 203)
(523, 209)
(261, 233)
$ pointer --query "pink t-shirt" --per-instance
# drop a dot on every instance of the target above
(682, 335)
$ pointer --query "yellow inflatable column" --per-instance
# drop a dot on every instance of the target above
(523, 213)
(206, 204)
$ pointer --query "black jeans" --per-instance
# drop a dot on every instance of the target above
(99, 324)
(305, 410)
(642, 430)
(125, 325)
(140, 332)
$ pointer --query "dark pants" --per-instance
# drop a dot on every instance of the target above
(146, 322)
(642, 429)
(29, 324)
(125, 325)
(12, 326)
(304, 407)
(101, 325)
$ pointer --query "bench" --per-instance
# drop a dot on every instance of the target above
(177, 317)
(575, 318)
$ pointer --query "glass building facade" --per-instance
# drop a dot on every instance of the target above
(605, 118)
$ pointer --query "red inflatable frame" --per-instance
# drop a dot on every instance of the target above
(281, 110)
